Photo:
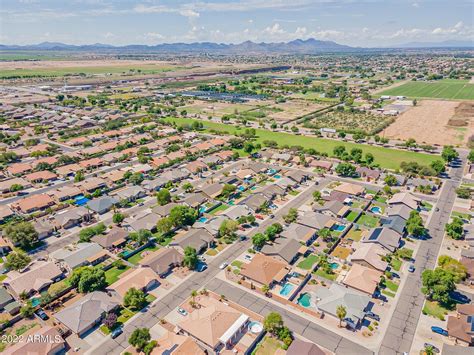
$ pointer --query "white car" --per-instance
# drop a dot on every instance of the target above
(248, 257)
(223, 265)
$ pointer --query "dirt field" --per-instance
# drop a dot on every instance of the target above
(428, 123)
(292, 109)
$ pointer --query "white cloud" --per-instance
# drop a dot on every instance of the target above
(274, 30)
(415, 4)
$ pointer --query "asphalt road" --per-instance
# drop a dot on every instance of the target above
(402, 326)
(206, 279)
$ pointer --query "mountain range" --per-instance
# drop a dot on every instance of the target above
(298, 46)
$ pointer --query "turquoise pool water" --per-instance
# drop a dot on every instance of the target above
(286, 289)
(277, 176)
(333, 265)
(231, 202)
(271, 171)
(338, 227)
(203, 220)
(80, 200)
(304, 300)
(376, 209)
(202, 209)
(35, 301)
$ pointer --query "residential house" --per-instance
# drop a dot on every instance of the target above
(114, 237)
(286, 183)
(72, 217)
(237, 211)
(91, 184)
(321, 164)
(367, 173)
(102, 204)
(147, 222)
(54, 344)
(41, 176)
(404, 198)
(155, 184)
(65, 193)
(129, 193)
(272, 191)
(175, 175)
(212, 225)
(315, 220)
(5, 213)
(196, 167)
(301, 347)
(34, 203)
(199, 239)
(44, 227)
(255, 201)
(195, 200)
(400, 210)
(264, 270)
(461, 326)
(81, 254)
(332, 208)
(285, 249)
(163, 260)
(88, 311)
(36, 278)
(363, 278)
(298, 176)
(395, 223)
(302, 233)
(350, 189)
(329, 299)
(370, 255)
(141, 278)
(212, 190)
(6, 185)
(164, 210)
(385, 237)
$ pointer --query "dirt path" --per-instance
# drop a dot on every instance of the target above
(378, 91)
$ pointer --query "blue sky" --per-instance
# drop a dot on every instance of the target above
(366, 23)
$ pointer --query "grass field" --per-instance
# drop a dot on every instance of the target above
(91, 70)
(443, 89)
(387, 158)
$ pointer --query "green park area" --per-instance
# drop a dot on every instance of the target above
(387, 158)
(442, 89)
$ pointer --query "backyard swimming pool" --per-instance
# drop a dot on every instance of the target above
(80, 200)
(304, 300)
(376, 209)
(333, 265)
(277, 176)
(203, 219)
(241, 188)
(286, 289)
(338, 227)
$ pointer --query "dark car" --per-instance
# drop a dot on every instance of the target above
(373, 316)
(200, 267)
(116, 332)
(460, 298)
(40, 313)
(439, 330)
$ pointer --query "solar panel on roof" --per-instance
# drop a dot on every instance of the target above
(375, 234)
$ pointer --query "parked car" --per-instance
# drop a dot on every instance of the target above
(201, 267)
(460, 298)
(373, 316)
(42, 314)
(248, 257)
(183, 312)
(411, 268)
(116, 332)
(223, 265)
(439, 330)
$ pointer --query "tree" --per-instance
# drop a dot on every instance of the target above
(356, 154)
(438, 166)
(414, 225)
(188, 187)
(265, 289)
(341, 313)
(449, 153)
(190, 258)
(369, 158)
(273, 323)
(163, 197)
(88, 279)
(86, 234)
(141, 237)
(79, 176)
(470, 157)
(110, 320)
(391, 180)
(118, 218)
(22, 234)
(140, 338)
(136, 178)
(259, 240)
(148, 348)
(17, 261)
(228, 228)
(463, 192)
(317, 196)
(455, 229)
(345, 169)
(339, 151)
(135, 299)
(291, 216)
(438, 284)
(228, 190)
(27, 311)
(164, 225)
(272, 231)
(183, 215)
(453, 266)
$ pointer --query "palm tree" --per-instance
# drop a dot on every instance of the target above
(265, 289)
(341, 313)
(193, 295)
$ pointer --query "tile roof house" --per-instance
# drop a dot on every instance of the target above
(332, 208)
(86, 312)
(91, 184)
(264, 270)
(129, 193)
(367, 173)
(113, 238)
(301, 233)
(195, 200)
(155, 184)
(399, 210)
(404, 198)
(461, 326)
(37, 278)
(147, 222)
(6, 185)
(164, 210)
(41, 176)
(102, 204)
(349, 188)
(141, 278)
(363, 278)
(5, 213)
(65, 193)
(34, 203)
(355, 302)
(237, 211)
(212, 190)
(199, 239)
(315, 220)
(163, 260)
(284, 249)
(395, 223)
(301, 347)
(255, 201)
(78, 255)
(385, 237)
(298, 176)
(72, 217)
(370, 255)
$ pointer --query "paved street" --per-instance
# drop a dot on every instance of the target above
(402, 327)
(206, 279)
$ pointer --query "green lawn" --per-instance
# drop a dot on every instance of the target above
(219, 208)
(320, 272)
(442, 89)
(308, 262)
(125, 315)
(368, 221)
(114, 273)
(387, 158)
(381, 199)
(237, 263)
(435, 310)
(138, 256)
(392, 286)
(354, 234)
(352, 216)
(388, 293)
(268, 346)
(396, 264)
